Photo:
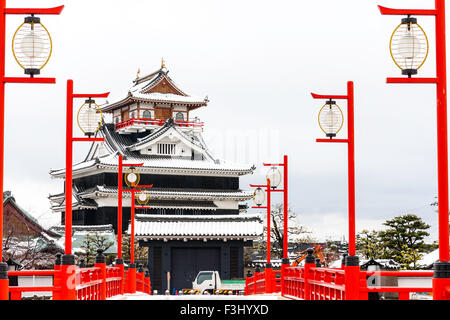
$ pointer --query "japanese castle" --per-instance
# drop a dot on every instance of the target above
(197, 220)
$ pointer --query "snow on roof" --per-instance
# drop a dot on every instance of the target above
(428, 259)
(168, 97)
(180, 194)
(110, 162)
(201, 226)
(79, 234)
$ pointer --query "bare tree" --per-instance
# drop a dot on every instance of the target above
(296, 232)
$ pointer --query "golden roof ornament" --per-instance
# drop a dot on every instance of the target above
(163, 64)
(137, 73)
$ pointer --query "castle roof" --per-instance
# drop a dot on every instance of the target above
(172, 227)
(118, 144)
(157, 87)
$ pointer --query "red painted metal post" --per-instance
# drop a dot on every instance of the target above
(268, 270)
(441, 280)
(119, 208)
(441, 88)
(119, 260)
(101, 263)
(69, 155)
(351, 170)
(268, 221)
(309, 264)
(132, 266)
(4, 282)
(285, 208)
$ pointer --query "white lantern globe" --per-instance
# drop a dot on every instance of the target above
(89, 117)
(143, 197)
(259, 196)
(409, 46)
(132, 177)
(274, 175)
(32, 45)
(331, 119)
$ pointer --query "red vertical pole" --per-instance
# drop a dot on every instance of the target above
(119, 260)
(69, 148)
(2, 110)
(132, 266)
(285, 208)
(441, 279)
(4, 282)
(351, 170)
(119, 208)
(132, 227)
(442, 149)
(268, 221)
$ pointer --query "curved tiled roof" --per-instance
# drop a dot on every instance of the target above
(204, 226)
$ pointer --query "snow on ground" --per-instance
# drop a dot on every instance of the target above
(144, 296)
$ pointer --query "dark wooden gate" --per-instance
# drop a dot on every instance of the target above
(187, 262)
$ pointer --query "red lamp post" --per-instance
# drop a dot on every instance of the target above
(133, 183)
(441, 279)
(259, 202)
(68, 259)
(4, 283)
(285, 204)
(352, 260)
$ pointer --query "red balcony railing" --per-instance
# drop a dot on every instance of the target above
(157, 122)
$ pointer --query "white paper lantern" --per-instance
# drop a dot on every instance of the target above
(32, 45)
(409, 46)
(89, 117)
(331, 119)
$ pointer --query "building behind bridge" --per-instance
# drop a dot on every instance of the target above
(197, 220)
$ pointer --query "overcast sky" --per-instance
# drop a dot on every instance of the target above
(257, 61)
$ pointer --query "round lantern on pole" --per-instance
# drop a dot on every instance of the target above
(143, 197)
(89, 117)
(32, 45)
(132, 177)
(259, 196)
(274, 175)
(331, 119)
(409, 46)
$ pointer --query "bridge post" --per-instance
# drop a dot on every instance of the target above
(309, 263)
(257, 272)
(141, 278)
(284, 266)
(68, 275)
(441, 280)
(4, 282)
(119, 264)
(131, 278)
(56, 294)
(352, 278)
(268, 275)
(100, 262)
(148, 288)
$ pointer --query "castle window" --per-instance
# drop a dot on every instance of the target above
(179, 117)
(166, 148)
(147, 114)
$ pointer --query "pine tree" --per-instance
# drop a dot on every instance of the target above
(403, 240)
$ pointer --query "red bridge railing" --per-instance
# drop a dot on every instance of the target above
(95, 283)
(316, 283)
(268, 281)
